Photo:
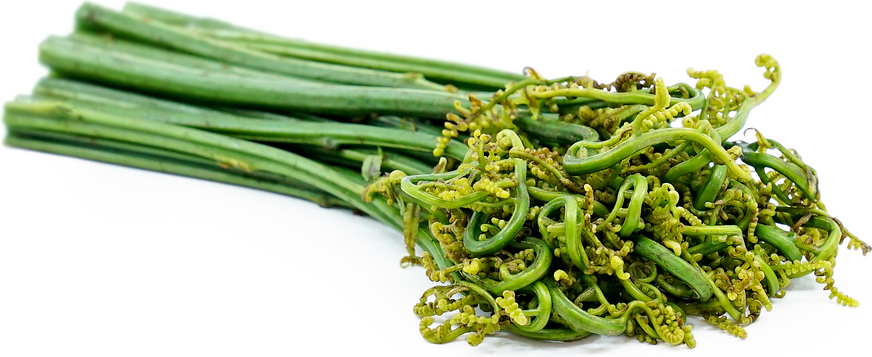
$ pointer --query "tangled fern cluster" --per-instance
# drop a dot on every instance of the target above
(656, 217)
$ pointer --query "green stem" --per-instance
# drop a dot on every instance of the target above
(712, 187)
(676, 266)
(224, 150)
(88, 99)
(160, 55)
(130, 25)
(114, 155)
(579, 165)
(554, 132)
(408, 124)
(692, 165)
(109, 65)
(357, 155)
(454, 73)
(673, 289)
(780, 240)
(790, 171)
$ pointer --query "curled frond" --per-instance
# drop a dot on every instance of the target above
(801, 267)
(723, 323)
(508, 303)
(857, 244)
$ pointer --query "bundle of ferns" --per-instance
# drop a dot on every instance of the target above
(549, 208)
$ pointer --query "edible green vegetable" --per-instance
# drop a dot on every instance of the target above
(550, 208)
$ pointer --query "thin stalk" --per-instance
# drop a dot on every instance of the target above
(71, 91)
(555, 132)
(138, 49)
(410, 124)
(112, 155)
(95, 17)
(106, 65)
(441, 71)
(331, 135)
(226, 151)
(390, 160)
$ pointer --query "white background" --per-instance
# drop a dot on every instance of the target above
(99, 260)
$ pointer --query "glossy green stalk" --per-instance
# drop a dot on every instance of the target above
(554, 131)
(447, 72)
(88, 148)
(106, 65)
(180, 59)
(90, 99)
(409, 124)
(681, 269)
(145, 107)
(226, 151)
(780, 240)
(804, 180)
(689, 166)
(712, 187)
(95, 17)
(578, 163)
(357, 155)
